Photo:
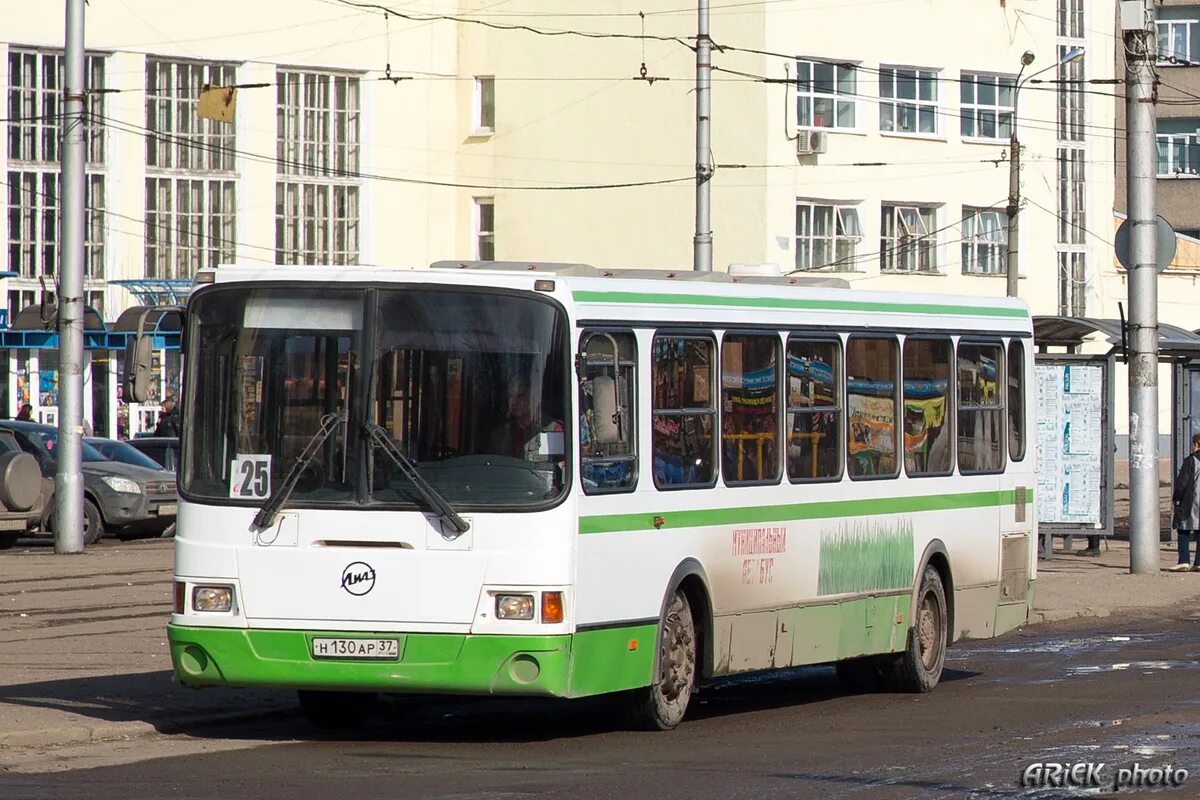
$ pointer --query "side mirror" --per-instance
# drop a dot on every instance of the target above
(138, 375)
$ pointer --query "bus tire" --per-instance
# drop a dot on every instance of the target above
(662, 705)
(332, 711)
(919, 667)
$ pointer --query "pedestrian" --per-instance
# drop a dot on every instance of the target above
(1186, 500)
(168, 421)
(26, 413)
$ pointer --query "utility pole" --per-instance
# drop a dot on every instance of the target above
(68, 479)
(1137, 24)
(702, 242)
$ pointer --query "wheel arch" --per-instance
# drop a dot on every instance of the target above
(937, 556)
(690, 578)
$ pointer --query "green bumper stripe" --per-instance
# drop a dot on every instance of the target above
(617, 523)
(639, 298)
(553, 666)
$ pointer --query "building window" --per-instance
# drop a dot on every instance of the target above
(908, 100)
(317, 192)
(189, 225)
(749, 408)
(984, 242)
(980, 407)
(483, 104)
(35, 81)
(825, 95)
(1175, 38)
(1178, 154)
(33, 223)
(908, 240)
(34, 136)
(1070, 19)
(1070, 97)
(485, 229)
(814, 409)
(826, 236)
(1072, 283)
(684, 412)
(1072, 220)
(986, 106)
(191, 195)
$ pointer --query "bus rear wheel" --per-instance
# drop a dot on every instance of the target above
(661, 705)
(919, 667)
(331, 711)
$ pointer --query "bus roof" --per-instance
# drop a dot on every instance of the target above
(676, 296)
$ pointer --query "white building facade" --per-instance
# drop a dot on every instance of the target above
(865, 139)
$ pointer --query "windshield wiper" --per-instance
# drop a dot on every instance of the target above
(266, 515)
(445, 511)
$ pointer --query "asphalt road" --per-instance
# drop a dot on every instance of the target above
(1116, 691)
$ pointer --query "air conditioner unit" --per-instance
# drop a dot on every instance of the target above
(810, 143)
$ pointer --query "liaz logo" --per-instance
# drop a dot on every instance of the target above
(358, 578)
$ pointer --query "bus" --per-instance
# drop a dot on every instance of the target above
(562, 481)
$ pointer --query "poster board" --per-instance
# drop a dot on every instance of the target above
(1074, 444)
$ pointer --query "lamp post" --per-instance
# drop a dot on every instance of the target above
(1014, 162)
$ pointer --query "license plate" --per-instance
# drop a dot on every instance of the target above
(166, 511)
(369, 649)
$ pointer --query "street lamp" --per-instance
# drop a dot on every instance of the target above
(1014, 160)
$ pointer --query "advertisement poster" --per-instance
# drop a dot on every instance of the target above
(1069, 427)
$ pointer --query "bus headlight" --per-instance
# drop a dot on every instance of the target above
(212, 598)
(514, 606)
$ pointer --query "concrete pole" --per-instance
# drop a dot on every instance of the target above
(68, 480)
(702, 242)
(1140, 154)
(1014, 204)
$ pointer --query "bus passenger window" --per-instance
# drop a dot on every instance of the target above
(927, 446)
(980, 436)
(684, 451)
(749, 409)
(814, 413)
(871, 373)
(1016, 400)
(608, 411)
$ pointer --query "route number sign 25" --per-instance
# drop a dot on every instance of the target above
(250, 476)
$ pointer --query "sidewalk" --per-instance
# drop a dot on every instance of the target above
(84, 657)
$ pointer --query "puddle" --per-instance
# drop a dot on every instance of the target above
(1145, 667)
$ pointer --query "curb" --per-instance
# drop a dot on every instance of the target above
(132, 729)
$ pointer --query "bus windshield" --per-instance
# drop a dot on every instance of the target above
(469, 386)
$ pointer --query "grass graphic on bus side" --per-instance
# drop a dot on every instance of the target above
(866, 555)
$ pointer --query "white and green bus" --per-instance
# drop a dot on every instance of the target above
(554, 480)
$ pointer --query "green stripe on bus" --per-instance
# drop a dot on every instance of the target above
(619, 523)
(794, 303)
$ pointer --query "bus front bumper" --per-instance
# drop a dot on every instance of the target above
(442, 663)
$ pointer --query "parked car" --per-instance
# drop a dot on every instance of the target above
(123, 498)
(163, 449)
(116, 450)
(23, 491)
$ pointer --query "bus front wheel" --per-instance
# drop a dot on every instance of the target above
(662, 705)
(919, 667)
(331, 711)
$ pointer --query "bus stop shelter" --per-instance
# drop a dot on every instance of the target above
(1076, 430)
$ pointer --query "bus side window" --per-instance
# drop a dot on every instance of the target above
(980, 431)
(928, 449)
(750, 408)
(607, 368)
(1016, 400)
(872, 372)
(814, 409)
(684, 443)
